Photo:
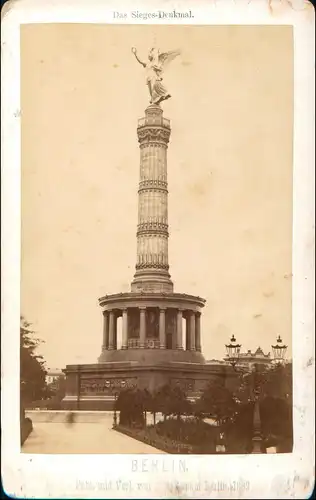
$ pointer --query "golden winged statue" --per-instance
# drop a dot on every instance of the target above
(157, 63)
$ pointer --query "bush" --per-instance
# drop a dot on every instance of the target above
(130, 404)
(193, 432)
(239, 432)
(276, 420)
(276, 427)
(41, 404)
(150, 437)
(53, 404)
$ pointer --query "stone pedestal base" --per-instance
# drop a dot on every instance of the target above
(154, 281)
(151, 356)
(94, 387)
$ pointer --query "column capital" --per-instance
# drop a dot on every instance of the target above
(150, 133)
(142, 308)
(162, 309)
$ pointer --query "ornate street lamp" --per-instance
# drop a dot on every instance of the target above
(279, 350)
(233, 354)
(233, 351)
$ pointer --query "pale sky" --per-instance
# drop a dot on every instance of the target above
(229, 174)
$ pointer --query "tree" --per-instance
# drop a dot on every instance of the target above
(239, 430)
(153, 405)
(217, 402)
(32, 367)
(56, 392)
(171, 401)
(275, 382)
(276, 407)
(276, 423)
(131, 405)
(57, 389)
(147, 403)
(179, 404)
(274, 390)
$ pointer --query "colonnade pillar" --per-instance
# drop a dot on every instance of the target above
(162, 328)
(192, 331)
(179, 329)
(111, 330)
(187, 335)
(198, 332)
(124, 329)
(142, 327)
(105, 340)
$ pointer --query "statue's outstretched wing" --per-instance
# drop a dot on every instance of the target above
(166, 57)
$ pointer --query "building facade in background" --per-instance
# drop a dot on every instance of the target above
(246, 359)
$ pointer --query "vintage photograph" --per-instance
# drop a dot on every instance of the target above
(156, 248)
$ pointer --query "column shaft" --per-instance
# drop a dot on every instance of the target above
(105, 341)
(124, 329)
(142, 327)
(198, 332)
(162, 328)
(179, 330)
(152, 269)
(192, 331)
(115, 331)
(187, 334)
(111, 330)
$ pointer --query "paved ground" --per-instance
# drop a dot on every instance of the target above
(82, 437)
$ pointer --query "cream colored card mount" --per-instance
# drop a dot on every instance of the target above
(157, 242)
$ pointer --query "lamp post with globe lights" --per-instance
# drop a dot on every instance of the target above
(279, 351)
(233, 351)
(233, 357)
